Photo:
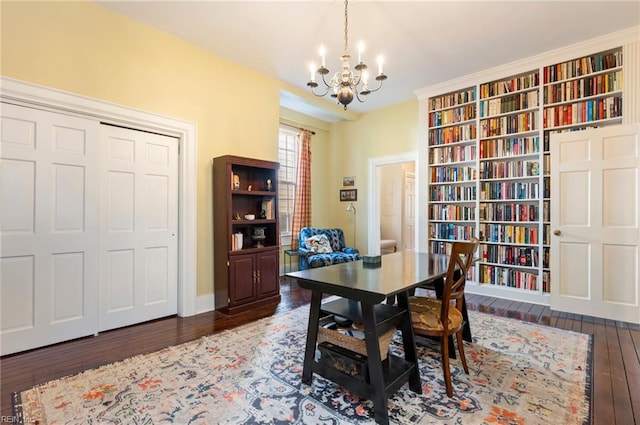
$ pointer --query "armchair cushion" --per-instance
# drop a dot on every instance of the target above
(319, 244)
(339, 252)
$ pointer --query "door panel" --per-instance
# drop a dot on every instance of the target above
(242, 279)
(268, 273)
(595, 217)
(139, 243)
(48, 227)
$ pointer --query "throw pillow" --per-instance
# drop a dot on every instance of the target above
(319, 244)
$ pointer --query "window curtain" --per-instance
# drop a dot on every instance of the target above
(302, 202)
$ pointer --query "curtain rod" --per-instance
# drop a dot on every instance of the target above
(299, 128)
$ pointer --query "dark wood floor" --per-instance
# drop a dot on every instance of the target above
(616, 350)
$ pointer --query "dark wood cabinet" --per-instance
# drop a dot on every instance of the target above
(246, 233)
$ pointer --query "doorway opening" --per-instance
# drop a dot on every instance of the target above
(392, 203)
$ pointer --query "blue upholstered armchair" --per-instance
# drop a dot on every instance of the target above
(324, 247)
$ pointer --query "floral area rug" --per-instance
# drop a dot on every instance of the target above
(520, 373)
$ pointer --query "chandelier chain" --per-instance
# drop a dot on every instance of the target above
(346, 28)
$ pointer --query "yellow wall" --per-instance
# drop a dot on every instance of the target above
(83, 48)
(384, 132)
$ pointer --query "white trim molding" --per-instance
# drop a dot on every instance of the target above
(373, 207)
(40, 97)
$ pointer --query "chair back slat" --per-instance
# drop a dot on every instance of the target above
(459, 264)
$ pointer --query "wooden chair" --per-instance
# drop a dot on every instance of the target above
(427, 313)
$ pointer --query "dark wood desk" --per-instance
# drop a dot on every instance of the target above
(363, 291)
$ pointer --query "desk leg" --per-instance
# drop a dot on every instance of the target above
(376, 374)
(409, 343)
(312, 337)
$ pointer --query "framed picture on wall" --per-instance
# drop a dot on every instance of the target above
(349, 181)
(349, 195)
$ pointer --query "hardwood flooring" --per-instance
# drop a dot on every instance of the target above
(615, 369)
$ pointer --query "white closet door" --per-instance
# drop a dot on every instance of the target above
(595, 220)
(48, 227)
(139, 241)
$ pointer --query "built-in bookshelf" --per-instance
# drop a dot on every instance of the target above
(452, 145)
(489, 165)
(509, 182)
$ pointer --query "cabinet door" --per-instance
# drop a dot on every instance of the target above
(267, 267)
(242, 277)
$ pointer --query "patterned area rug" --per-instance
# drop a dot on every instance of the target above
(520, 373)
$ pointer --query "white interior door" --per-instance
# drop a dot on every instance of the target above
(409, 211)
(139, 241)
(595, 216)
(48, 227)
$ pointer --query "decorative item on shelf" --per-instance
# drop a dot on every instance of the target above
(236, 216)
(258, 236)
(267, 208)
(345, 85)
(263, 214)
(236, 181)
(250, 216)
(269, 185)
(249, 188)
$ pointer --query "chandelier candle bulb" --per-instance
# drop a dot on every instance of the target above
(322, 55)
(380, 62)
(312, 69)
(360, 50)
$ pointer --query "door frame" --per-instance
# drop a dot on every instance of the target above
(373, 206)
(39, 97)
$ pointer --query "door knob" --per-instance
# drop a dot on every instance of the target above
(557, 232)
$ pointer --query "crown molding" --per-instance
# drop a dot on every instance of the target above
(583, 48)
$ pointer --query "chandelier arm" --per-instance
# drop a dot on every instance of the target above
(313, 90)
(361, 100)
(377, 88)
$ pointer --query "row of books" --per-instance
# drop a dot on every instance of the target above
(451, 212)
(582, 66)
(508, 233)
(508, 190)
(584, 87)
(580, 112)
(526, 121)
(508, 169)
(508, 86)
(500, 276)
(455, 134)
(452, 193)
(508, 212)
(452, 116)
(451, 231)
(452, 99)
(510, 103)
(509, 255)
(511, 146)
(237, 241)
(452, 174)
(459, 153)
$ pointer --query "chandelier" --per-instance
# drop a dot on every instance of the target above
(346, 84)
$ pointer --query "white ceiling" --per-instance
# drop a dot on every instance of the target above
(423, 42)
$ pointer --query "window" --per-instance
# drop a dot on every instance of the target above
(288, 159)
